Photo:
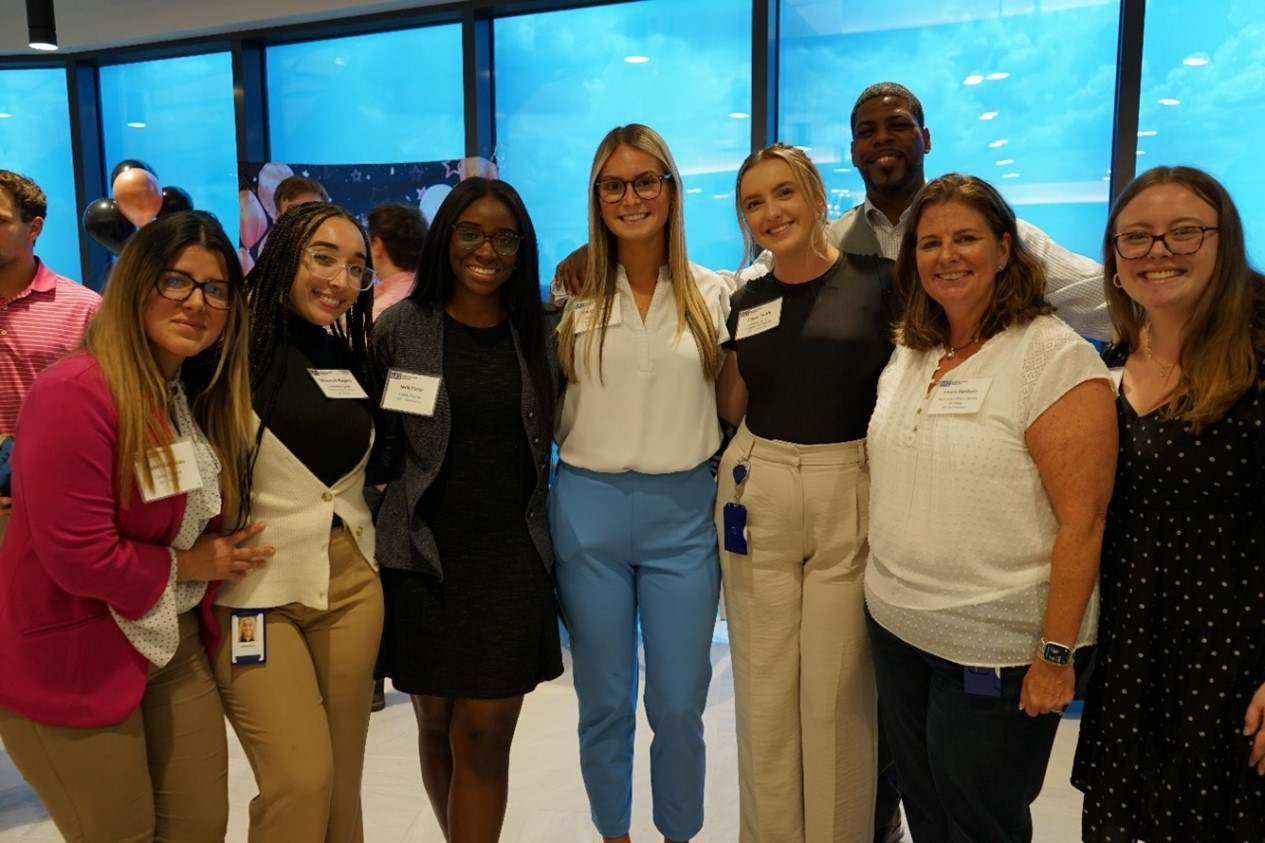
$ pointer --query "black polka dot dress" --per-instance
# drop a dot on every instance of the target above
(1181, 640)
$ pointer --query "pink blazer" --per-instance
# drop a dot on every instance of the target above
(70, 552)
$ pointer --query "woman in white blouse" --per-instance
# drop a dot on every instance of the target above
(992, 453)
(630, 511)
(127, 450)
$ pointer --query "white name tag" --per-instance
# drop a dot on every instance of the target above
(409, 392)
(585, 313)
(757, 320)
(338, 383)
(166, 484)
(959, 397)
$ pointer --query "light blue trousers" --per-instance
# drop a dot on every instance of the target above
(636, 545)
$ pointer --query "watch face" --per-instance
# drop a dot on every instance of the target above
(1056, 653)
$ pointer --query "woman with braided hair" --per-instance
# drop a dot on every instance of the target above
(299, 698)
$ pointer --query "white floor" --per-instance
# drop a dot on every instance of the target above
(547, 802)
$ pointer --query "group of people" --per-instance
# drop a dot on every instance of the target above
(936, 505)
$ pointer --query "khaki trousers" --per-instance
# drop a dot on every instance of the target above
(803, 679)
(161, 774)
(303, 715)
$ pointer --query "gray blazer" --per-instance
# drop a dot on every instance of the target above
(852, 233)
(410, 336)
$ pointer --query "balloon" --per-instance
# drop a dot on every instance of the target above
(271, 175)
(175, 199)
(244, 258)
(104, 224)
(138, 195)
(477, 167)
(254, 221)
(129, 164)
(432, 198)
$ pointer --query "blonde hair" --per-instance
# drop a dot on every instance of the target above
(599, 277)
(1225, 333)
(216, 380)
(807, 180)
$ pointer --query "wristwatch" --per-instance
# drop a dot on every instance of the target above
(1055, 653)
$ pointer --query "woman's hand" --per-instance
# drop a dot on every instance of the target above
(1047, 688)
(216, 557)
(1254, 724)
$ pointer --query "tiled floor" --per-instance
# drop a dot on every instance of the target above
(547, 803)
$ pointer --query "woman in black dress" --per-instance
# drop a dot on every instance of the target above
(1172, 744)
(469, 378)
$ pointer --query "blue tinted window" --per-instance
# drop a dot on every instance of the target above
(368, 99)
(35, 141)
(1202, 97)
(564, 79)
(177, 116)
(1020, 94)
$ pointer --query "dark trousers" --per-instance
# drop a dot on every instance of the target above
(970, 766)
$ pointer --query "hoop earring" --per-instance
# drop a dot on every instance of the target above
(1115, 281)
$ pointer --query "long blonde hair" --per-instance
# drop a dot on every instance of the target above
(216, 380)
(807, 180)
(599, 277)
(1225, 333)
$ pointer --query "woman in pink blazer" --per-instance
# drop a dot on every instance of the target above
(125, 452)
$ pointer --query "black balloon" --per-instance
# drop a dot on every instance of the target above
(106, 224)
(128, 164)
(175, 199)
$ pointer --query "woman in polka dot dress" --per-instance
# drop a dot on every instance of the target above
(1172, 745)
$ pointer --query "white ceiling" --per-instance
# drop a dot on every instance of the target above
(100, 24)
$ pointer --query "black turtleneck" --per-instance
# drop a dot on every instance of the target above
(329, 436)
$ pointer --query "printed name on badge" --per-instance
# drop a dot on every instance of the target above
(757, 320)
(585, 313)
(338, 383)
(409, 392)
(186, 478)
(959, 397)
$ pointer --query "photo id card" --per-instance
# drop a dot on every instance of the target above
(959, 397)
(247, 635)
(338, 383)
(735, 517)
(166, 484)
(409, 392)
(757, 320)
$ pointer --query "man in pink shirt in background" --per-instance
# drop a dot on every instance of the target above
(396, 232)
(42, 314)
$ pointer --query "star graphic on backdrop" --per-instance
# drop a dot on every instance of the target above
(356, 176)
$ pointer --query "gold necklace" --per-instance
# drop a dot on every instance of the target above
(1165, 368)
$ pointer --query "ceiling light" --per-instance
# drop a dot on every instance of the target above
(998, 144)
(4, 115)
(1168, 101)
(136, 124)
(1010, 175)
(1005, 162)
(693, 190)
(988, 115)
(996, 77)
(636, 59)
(1195, 61)
(41, 25)
(1147, 133)
(973, 79)
(739, 115)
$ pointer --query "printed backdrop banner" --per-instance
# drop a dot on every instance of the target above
(356, 187)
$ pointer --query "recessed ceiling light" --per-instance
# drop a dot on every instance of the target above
(739, 115)
(636, 59)
(1194, 61)
(995, 77)
(988, 115)
(1168, 101)
(1141, 152)
(998, 144)
(693, 190)
(136, 124)
(973, 79)
(1147, 133)
(4, 115)
(1010, 175)
(1005, 162)
(843, 169)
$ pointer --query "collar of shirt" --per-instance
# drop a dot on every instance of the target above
(45, 281)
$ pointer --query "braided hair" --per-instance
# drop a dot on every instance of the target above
(268, 293)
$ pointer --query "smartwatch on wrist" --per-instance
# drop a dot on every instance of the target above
(1055, 653)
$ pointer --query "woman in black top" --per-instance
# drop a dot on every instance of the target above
(302, 713)
(809, 341)
(471, 379)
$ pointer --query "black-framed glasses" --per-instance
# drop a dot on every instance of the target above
(471, 237)
(326, 265)
(647, 186)
(1183, 240)
(178, 286)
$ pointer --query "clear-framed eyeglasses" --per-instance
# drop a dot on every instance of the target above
(1183, 240)
(647, 186)
(326, 265)
(178, 286)
(471, 237)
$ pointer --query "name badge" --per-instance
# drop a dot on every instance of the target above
(1117, 375)
(959, 397)
(248, 634)
(757, 320)
(338, 383)
(584, 314)
(409, 392)
(166, 484)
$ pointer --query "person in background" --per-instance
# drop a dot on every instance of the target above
(630, 510)
(42, 314)
(396, 233)
(471, 617)
(808, 342)
(1172, 740)
(296, 190)
(302, 713)
(131, 448)
(991, 453)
